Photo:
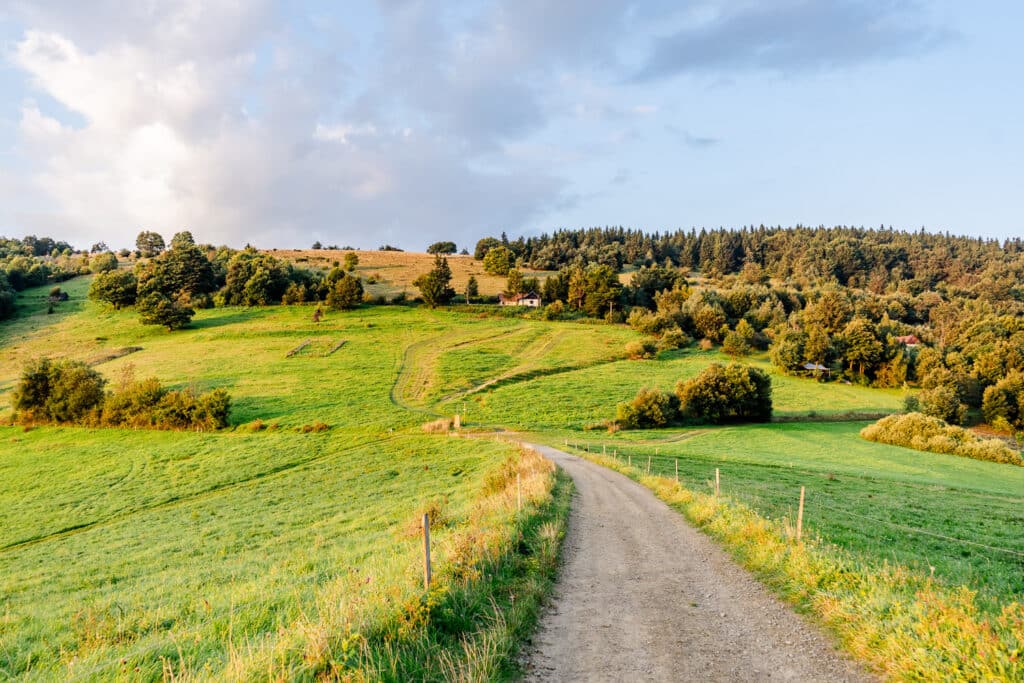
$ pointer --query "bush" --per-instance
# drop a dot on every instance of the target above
(924, 433)
(732, 393)
(1005, 401)
(345, 294)
(942, 402)
(63, 391)
(638, 350)
(553, 311)
(70, 392)
(645, 322)
(673, 338)
(650, 408)
(103, 263)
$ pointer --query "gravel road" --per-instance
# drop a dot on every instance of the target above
(643, 596)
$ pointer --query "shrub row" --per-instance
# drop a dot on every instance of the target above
(719, 394)
(924, 433)
(70, 392)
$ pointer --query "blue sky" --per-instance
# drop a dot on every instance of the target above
(410, 121)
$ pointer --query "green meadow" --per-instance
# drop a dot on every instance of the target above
(146, 554)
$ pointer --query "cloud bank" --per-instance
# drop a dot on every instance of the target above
(403, 121)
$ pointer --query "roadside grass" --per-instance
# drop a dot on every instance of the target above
(901, 622)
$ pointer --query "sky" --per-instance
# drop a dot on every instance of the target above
(405, 122)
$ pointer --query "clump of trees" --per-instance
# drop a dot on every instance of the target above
(719, 394)
(70, 392)
(727, 393)
(925, 433)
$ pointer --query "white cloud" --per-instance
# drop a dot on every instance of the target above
(181, 125)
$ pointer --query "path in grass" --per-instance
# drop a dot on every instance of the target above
(644, 596)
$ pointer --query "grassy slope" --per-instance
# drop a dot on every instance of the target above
(862, 496)
(237, 490)
(140, 544)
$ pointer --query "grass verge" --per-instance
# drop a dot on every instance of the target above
(491, 574)
(902, 623)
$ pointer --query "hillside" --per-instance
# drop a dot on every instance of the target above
(395, 271)
(308, 497)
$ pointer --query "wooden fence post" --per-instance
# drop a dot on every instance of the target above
(519, 492)
(718, 485)
(426, 551)
(800, 516)
(677, 470)
(648, 464)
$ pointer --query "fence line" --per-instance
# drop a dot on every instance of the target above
(897, 525)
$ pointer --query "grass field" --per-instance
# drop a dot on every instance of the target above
(124, 548)
(218, 553)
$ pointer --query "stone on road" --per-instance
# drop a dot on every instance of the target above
(643, 596)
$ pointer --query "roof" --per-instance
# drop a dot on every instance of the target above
(814, 366)
(518, 297)
(908, 339)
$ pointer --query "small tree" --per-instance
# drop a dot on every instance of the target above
(472, 289)
(159, 309)
(351, 261)
(514, 284)
(499, 261)
(317, 245)
(346, 293)
(434, 285)
(102, 262)
(117, 288)
(442, 248)
(149, 243)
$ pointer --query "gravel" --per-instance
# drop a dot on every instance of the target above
(643, 596)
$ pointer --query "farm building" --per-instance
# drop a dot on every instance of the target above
(909, 340)
(531, 299)
(817, 368)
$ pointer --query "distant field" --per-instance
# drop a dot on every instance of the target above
(396, 270)
(589, 395)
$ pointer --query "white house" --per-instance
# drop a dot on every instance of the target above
(531, 299)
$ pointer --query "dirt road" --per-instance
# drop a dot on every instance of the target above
(643, 596)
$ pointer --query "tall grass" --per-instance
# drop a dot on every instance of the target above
(379, 624)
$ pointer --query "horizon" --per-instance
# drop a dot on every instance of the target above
(411, 122)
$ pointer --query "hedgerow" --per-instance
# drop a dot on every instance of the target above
(923, 433)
